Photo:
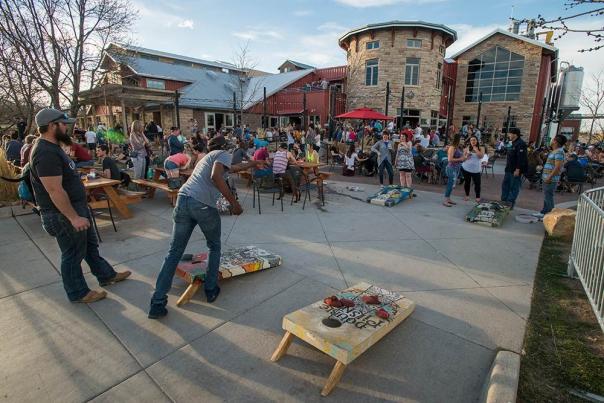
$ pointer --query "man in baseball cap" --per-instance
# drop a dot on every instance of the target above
(64, 210)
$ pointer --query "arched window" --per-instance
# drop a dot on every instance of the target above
(496, 75)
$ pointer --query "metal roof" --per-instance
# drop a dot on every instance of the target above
(508, 33)
(209, 88)
(401, 24)
(297, 64)
(273, 83)
(158, 53)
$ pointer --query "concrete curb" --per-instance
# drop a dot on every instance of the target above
(501, 383)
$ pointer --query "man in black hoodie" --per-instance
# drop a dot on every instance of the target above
(516, 166)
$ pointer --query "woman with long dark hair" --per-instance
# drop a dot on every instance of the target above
(470, 168)
(455, 158)
(350, 158)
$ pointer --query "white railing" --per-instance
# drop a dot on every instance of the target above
(586, 259)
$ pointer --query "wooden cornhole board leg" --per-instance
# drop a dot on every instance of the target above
(334, 376)
(189, 292)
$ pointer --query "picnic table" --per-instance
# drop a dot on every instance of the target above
(119, 202)
(319, 177)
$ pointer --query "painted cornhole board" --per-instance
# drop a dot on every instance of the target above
(233, 263)
(390, 196)
(361, 328)
(489, 213)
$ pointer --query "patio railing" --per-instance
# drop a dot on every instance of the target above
(586, 259)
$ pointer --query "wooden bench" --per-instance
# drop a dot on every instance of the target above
(172, 193)
(345, 331)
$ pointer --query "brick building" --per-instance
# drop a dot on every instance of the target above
(171, 90)
(398, 53)
(504, 71)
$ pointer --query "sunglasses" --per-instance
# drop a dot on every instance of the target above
(63, 116)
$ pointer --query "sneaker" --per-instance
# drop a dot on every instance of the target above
(157, 312)
(212, 295)
(538, 215)
(117, 278)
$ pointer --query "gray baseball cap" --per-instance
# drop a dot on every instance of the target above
(50, 115)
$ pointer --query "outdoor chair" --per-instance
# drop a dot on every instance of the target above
(94, 213)
(267, 184)
(489, 165)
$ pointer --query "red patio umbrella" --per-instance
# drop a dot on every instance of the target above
(364, 114)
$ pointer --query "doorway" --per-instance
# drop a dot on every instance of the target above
(157, 118)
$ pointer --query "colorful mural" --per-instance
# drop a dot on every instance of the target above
(490, 213)
(390, 196)
(233, 263)
(365, 313)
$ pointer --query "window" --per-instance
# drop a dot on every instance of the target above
(372, 45)
(371, 72)
(441, 49)
(156, 84)
(228, 120)
(414, 43)
(210, 120)
(412, 71)
(439, 75)
(433, 119)
(495, 76)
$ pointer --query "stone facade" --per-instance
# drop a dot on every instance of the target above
(392, 55)
(494, 114)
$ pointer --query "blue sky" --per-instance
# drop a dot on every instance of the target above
(307, 30)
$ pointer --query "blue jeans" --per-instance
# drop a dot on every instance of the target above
(452, 174)
(510, 187)
(548, 197)
(76, 246)
(388, 166)
(187, 214)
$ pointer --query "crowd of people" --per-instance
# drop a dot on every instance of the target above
(54, 156)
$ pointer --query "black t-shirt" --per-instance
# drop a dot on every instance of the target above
(109, 163)
(48, 159)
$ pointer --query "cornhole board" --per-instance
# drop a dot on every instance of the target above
(360, 327)
(489, 213)
(390, 196)
(233, 263)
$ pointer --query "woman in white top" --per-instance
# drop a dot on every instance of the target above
(138, 152)
(425, 140)
(470, 168)
(349, 159)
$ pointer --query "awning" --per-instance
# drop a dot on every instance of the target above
(115, 94)
(364, 114)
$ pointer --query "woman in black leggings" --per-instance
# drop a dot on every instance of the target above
(471, 167)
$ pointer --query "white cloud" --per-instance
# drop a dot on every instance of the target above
(185, 24)
(302, 13)
(331, 26)
(166, 20)
(380, 3)
(468, 34)
(259, 35)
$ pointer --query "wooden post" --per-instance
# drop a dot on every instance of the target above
(387, 97)
(177, 106)
(124, 117)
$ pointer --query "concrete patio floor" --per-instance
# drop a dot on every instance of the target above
(472, 285)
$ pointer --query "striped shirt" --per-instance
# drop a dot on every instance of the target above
(550, 164)
(280, 162)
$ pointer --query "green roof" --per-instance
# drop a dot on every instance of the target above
(401, 24)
